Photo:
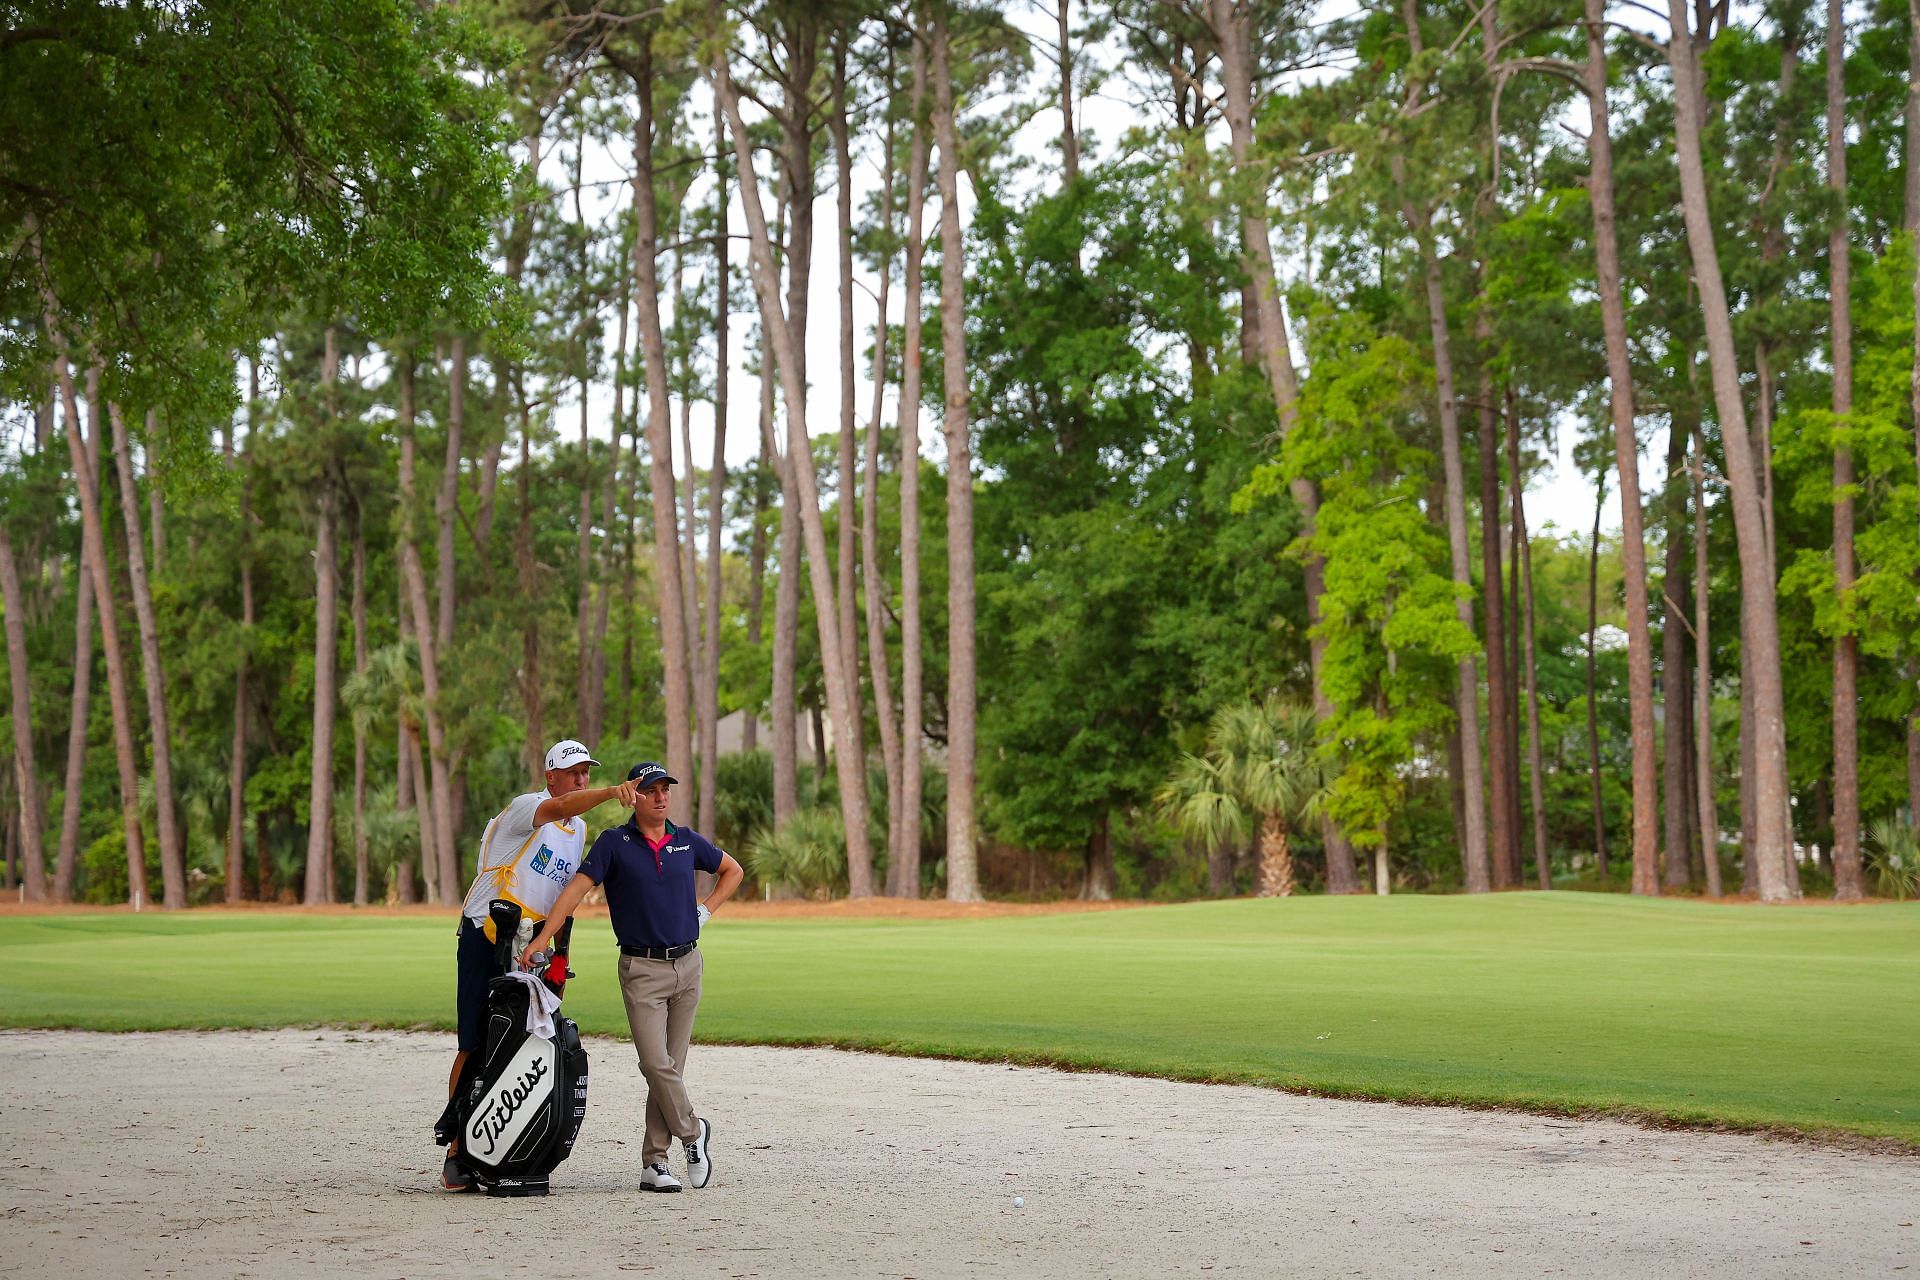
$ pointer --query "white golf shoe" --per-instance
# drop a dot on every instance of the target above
(657, 1177)
(699, 1162)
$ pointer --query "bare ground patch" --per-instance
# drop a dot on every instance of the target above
(289, 1153)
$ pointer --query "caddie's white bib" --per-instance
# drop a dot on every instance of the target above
(525, 863)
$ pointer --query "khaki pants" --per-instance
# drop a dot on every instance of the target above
(661, 997)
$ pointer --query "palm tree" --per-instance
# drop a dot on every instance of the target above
(1260, 762)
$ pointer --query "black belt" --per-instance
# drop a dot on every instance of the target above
(658, 953)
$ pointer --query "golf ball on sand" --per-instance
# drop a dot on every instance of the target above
(1019, 1202)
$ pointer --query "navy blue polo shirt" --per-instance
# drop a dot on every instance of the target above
(650, 890)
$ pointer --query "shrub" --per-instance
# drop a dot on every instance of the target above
(808, 854)
(1893, 858)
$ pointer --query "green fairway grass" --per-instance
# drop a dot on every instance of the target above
(1805, 1018)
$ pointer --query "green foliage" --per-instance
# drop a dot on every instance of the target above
(233, 156)
(1387, 615)
(807, 855)
(194, 181)
(1260, 758)
(1892, 855)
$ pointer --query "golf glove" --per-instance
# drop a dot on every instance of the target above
(705, 913)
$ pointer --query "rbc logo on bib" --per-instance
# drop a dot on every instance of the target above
(541, 859)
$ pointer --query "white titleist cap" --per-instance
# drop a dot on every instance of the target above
(567, 753)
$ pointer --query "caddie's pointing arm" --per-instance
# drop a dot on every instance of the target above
(575, 803)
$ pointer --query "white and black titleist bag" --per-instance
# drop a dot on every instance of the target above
(520, 1101)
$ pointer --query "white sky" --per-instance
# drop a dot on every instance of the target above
(1560, 496)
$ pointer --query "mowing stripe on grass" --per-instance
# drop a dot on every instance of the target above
(1803, 1018)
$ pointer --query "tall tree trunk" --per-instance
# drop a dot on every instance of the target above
(438, 863)
(1626, 455)
(1912, 223)
(359, 726)
(1480, 866)
(1676, 695)
(716, 498)
(1231, 28)
(1515, 666)
(326, 641)
(963, 874)
(1788, 19)
(1466, 696)
(483, 494)
(585, 670)
(675, 643)
(689, 545)
(26, 773)
(629, 568)
(786, 334)
(1503, 837)
(237, 760)
(1503, 694)
(786, 598)
(593, 715)
(850, 737)
(912, 689)
(757, 542)
(1846, 650)
(1749, 807)
(1276, 857)
(1760, 617)
(1523, 558)
(94, 549)
(1709, 818)
(156, 510)
(446, 504)
(533, 729)
(319, 877)
(400, 880)
(430, 822)
(873, 573)
(785, 716)
(67, 862)
(1069, 138)
(173, 868)
(1593, 718)
(410, 774)
(44, 411)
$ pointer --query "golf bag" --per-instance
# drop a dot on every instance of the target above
(518, 1105)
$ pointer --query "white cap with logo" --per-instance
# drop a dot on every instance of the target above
(567, 753)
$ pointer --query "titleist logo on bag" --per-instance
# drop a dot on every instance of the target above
(513, 1102)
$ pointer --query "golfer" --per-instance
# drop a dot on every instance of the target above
(647, 866)
(528, 854)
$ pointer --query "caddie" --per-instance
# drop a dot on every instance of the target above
(529, 853)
